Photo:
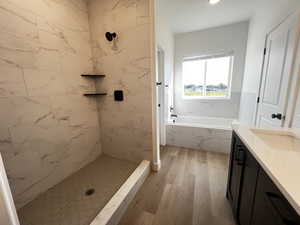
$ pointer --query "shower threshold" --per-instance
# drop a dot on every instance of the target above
(97, 194)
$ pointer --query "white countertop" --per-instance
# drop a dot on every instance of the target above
(278, 152)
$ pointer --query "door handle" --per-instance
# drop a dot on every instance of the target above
(158, 83)
(277, 116)
(240, 156)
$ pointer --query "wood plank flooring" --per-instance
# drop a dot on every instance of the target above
(188, 190)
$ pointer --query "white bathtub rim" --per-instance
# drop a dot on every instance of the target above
(198, 122)
(201, 118)
(199, 125)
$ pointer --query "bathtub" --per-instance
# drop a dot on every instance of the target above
(203, 133)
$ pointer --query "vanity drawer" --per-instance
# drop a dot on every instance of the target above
(271, 207)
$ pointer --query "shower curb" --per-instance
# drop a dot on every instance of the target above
(113, 211)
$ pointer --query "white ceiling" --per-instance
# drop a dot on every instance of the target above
(191, 15)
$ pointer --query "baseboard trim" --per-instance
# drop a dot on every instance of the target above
(156, 166)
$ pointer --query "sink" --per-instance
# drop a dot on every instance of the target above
(281, 140)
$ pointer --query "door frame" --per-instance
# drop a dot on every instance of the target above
(156, 162)
(8, 212)
(161, 78)
(294, 81)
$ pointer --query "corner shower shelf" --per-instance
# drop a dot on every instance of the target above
(93, 75)
(94, 94)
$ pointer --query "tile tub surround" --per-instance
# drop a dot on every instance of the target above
(48, 129)
(207, 139)
(126, 127)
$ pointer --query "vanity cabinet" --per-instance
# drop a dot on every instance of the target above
(247, 190)
(271, 207)
(235, 173)
(254, 198)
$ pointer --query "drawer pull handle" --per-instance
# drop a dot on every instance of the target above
(240, 156)
(280, 207)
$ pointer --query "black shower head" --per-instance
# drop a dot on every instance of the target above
(110, 36)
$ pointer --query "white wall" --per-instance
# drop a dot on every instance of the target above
(296, 122)
(165, 40)
(265, 19)
(4, 217)
(211, 41)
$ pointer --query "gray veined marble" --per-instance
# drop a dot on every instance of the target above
(48, 129)
(126, 129)
(206, 139)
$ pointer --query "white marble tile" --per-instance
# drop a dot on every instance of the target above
(131, 144)
(72, 67)
(143, 12)
(55, 41)
(18, 111)
(17, 21)
(44, 83)
(126, 130)
(12, 82)
(77, 110)
(207, 139)
(48, 59)
(6, 144)
(59, 148)
(17, 51)
(46, 123)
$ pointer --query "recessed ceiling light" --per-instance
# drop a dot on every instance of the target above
(213, 2)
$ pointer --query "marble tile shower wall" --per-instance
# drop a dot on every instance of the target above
(48, 129)
(125, 126)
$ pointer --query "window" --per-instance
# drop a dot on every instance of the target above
(207, 77)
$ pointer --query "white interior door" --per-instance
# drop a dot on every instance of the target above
(279, 57)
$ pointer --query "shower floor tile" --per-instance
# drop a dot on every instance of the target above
(67, 203)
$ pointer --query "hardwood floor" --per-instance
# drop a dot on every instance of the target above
(188, 190)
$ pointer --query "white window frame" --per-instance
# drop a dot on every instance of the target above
(228, 97)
